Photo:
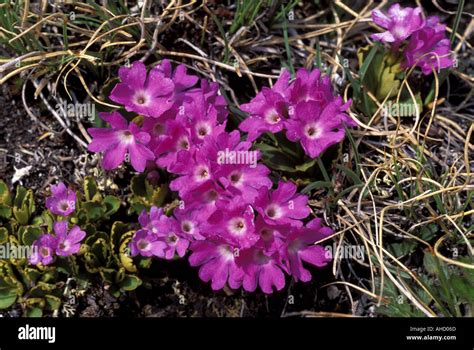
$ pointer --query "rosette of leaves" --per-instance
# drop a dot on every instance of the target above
(104, 252)
(144, 194)
(380, 75)
(94, 207)
(108, 256)
(34, 288)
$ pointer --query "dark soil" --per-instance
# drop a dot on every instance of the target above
(173, 289)
(51, 153)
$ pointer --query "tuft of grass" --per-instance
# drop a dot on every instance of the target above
(246, 12)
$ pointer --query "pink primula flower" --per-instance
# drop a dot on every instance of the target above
(121, 139)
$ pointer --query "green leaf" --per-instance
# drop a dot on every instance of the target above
(350, 174)
(114, 291)
(279, 161)
(428, 232)
(108, 275)
(41, 289)
(23, 205)
(366, 62)
(119, 230)
(430, 263)
(121, 273)
(31, 275)
(5, 211)
(112, 204)
(5, 201)
(46, 218)
(49, 276)
(144, 263)
(5, 195)
(316, 185)
(34, 312)
(91, 190)
(388, 84)
(307, 165)
(380, 74)
(130, 282)
(66, 265)
(91, 263)
(403, 248)
(52, 302)
(462, 288)
(34, 307)
(125, 259)
(94, 210)
(95, 236)
(138, 186)
(145, 195)
(3, 235)
(100, 250)
(8, 296)
(29, 234)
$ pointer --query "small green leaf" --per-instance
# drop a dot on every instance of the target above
(350, 174)
(307, 165)
(125, 259)
(90, 239)
(100, 250)
(316, 185)
(91, 190)
(5, 211)
(66, 265)
(32, 275)
(23, 205)
(41, 289)
(388, 84)
(114, 291)
(5, 196)
(366, 62)
(52, 302)
(428, 232)
(94, 210)
(119, 229)
(112, 204)
(138, 186)
(130, 282)
(144, 263)
(8, 296)
(108, 275)
(430, 263)
(34, 307)
(29, 234)
(91, 263)
(403, 248)
(3, 235)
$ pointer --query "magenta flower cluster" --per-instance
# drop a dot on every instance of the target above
(236, 241)
(306, 109)
(240, 232)
(177, 116)
(426, 43)
(64, 241)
